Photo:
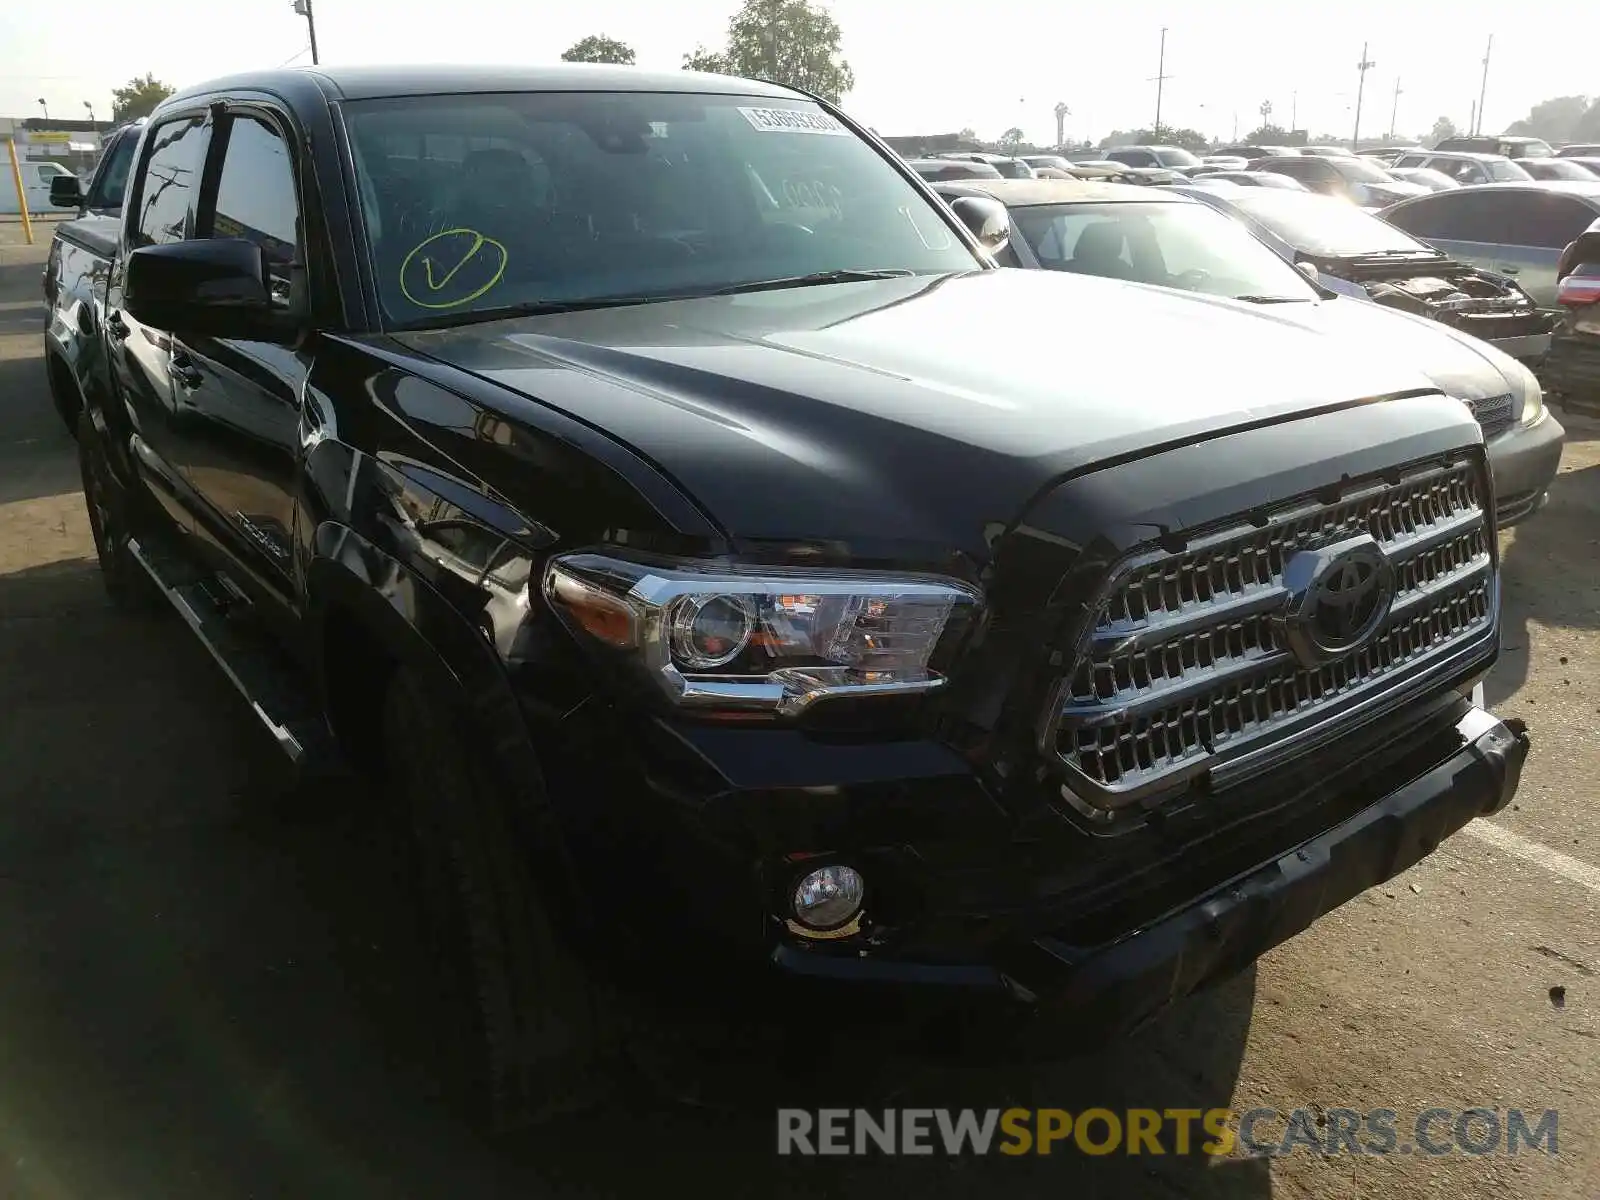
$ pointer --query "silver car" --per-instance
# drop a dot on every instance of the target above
(1466, 166)
(1516, 229)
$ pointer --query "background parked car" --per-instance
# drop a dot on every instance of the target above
(36, 177)
(1059, 162)
(1507, 145)
(1517, 229)
(1467, 167)
(1173, 158)
(1388, 154)
(1347, 177)
(1160, 237)
(1389, 266)
(1256, 178)
(1251, 150)
(949, 168)
(1580, 150)
(1226, 162)
(1326, 151)
(1434, 181)
(1573, 365)
(1592, 161)
(1008, 167)
(1557, 168)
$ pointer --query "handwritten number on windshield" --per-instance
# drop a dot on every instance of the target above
(451, 268)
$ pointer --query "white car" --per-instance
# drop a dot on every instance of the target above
(36, 177)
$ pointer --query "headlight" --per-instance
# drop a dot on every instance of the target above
(778, 640)
(1532, 395)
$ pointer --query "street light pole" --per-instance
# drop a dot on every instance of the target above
(46, 108)
(1483, 89)
(90, 107)
(1394, 111)
(1363, 67)
(1161, 79)
(303, 7)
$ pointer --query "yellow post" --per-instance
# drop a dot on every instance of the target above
(22, 199)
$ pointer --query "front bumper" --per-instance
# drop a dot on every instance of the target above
(1117, 987)
(1524, 460)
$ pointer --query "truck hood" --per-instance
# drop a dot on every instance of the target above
(923, 410)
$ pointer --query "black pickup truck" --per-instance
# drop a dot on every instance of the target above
(632, 476)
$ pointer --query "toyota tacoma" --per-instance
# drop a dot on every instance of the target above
(618, 469)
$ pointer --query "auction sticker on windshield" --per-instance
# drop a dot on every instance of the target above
(789, 120)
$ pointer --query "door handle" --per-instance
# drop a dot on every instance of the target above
(115, 325)
(185, 372)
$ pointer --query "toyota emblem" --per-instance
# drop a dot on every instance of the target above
(1339, 595)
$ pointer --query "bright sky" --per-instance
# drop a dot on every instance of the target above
(920, 67)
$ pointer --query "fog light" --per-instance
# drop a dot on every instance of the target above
(829, 897)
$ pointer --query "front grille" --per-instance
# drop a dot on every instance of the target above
(1187, 667)
(1493, 414)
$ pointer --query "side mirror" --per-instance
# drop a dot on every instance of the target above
(66, 191)
(986, 218)
(215, 286)
(1309, 270)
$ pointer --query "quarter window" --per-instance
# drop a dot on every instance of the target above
(172, 169)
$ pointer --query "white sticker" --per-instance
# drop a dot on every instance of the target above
(792, 120)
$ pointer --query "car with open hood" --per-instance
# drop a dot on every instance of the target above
(1391, 266)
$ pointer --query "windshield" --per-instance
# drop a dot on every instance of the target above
(1559, 168)
(1177, 245)
(1359, 171)
(1176, 158)
(487, 202)
(1325, 226)
(1505, 170)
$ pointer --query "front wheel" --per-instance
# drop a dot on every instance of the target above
(528, 1033)
(110, 509)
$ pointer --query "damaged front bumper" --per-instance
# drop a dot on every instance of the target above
(1115, 988)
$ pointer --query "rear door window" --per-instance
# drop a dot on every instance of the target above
(1547, 221)
(1460, 216)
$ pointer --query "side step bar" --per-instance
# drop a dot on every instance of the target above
(255, 667)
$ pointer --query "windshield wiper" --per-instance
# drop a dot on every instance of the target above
(533, 308)
(1273, 299)
(812, 280)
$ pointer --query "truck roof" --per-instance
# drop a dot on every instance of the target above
(372, 82)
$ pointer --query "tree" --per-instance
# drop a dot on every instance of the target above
(1556, 120)
(968, 134)
(139, 98)
(1189, 139)
(1443, 128)
(791, 42)
(1011, 138)
(1267, 135)
(598, 48)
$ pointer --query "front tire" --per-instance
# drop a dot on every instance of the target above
(127, 583)
(529, 1035)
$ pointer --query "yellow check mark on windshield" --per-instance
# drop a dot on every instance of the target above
(434, 283)
(440, 284)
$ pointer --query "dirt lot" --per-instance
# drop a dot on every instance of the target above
(204, 991)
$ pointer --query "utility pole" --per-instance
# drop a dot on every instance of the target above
(1483, 89)
(1160, 79)
(1294, 110)
(1394, 111)
(1363, 67)
(303, 7)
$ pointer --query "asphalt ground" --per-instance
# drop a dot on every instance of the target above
(209, 981)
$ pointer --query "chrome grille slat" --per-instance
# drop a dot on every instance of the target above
(1185, 665)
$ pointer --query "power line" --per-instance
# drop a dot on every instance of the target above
(294, 56)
